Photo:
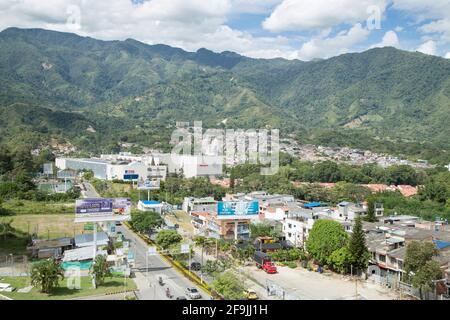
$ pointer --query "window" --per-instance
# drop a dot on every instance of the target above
(382, 258)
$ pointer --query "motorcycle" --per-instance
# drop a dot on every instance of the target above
(168, 295)
(161, 283)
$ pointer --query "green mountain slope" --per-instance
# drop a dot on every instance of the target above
(378, 99)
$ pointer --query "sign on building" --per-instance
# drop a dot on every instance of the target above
(237, 209)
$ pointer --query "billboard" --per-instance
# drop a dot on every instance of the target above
(237, 209)
(148, 185)
(101, 209)
(122, 206)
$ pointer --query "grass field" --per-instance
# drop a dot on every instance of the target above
(19, 207)
(112, 285)
(181, 218)
(44, 225)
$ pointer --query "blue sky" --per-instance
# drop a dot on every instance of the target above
(293, 29)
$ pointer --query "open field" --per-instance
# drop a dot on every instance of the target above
(183, 219)
(19, 207)
(44, 225)
(112, 285)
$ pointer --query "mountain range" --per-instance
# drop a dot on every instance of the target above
(57, 85)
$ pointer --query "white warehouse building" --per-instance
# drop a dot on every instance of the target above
(105, 170)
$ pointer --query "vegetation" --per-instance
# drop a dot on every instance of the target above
(100, 270)
(420, 267)
(145, 222)
(167, 238)
(325, 237)
(63, 292)
(359, 254)
(394, 101)
(229, 286)
(46, 275)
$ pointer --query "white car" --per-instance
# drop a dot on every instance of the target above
(193, 293)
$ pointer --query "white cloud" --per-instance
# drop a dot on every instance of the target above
(390, 39)
(428, 47)
(447, 56)
(297, 15)
(331, 46)
(186, 24)
(398, 29)
(253, 6)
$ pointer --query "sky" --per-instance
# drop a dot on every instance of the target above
(291, 29)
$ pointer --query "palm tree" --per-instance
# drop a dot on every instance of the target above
(46, 275)
(100, 270)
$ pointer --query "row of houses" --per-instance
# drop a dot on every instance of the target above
(386, 239)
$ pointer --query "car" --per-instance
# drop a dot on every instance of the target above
(181, 298)
(196, 266)
(250, 294)
(118, 223)
(193, 293)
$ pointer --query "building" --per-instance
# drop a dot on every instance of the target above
(150, 206)
(53, 248)
(207, 204)
(107, 169)
(387, 243)
(191, 166)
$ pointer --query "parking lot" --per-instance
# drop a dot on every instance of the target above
(307, 285)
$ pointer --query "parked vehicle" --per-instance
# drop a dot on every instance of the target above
(250, 294)
(193, 293)
(196, 266)
(263, 261)
(181, 298)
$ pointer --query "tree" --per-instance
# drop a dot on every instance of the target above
(229, 286)
(420, 268)
(340, 259)
(100, 270)
(370, 217)
(401, 174)
(423, 278)
(144, 222)
(262, 230)
(327, 171)
(325, 237)
(46, 275)
(359, 254)
(166, 238)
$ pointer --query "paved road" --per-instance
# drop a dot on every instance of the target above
(90, 191)
(147, 279)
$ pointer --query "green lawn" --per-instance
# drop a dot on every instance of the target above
(18, 207)
(111, 286)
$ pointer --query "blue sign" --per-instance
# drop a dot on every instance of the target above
(130, 177)
(237, 208)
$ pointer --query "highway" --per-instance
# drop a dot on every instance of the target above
(147, 279)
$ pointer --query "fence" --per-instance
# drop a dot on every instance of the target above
(14, 266)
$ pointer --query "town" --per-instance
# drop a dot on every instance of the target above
(260, 244)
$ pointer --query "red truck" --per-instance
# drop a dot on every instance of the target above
(263, 261)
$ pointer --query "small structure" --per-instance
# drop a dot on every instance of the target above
(150, 206)
(53, 248)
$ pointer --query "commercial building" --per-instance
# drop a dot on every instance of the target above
(110, 170)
